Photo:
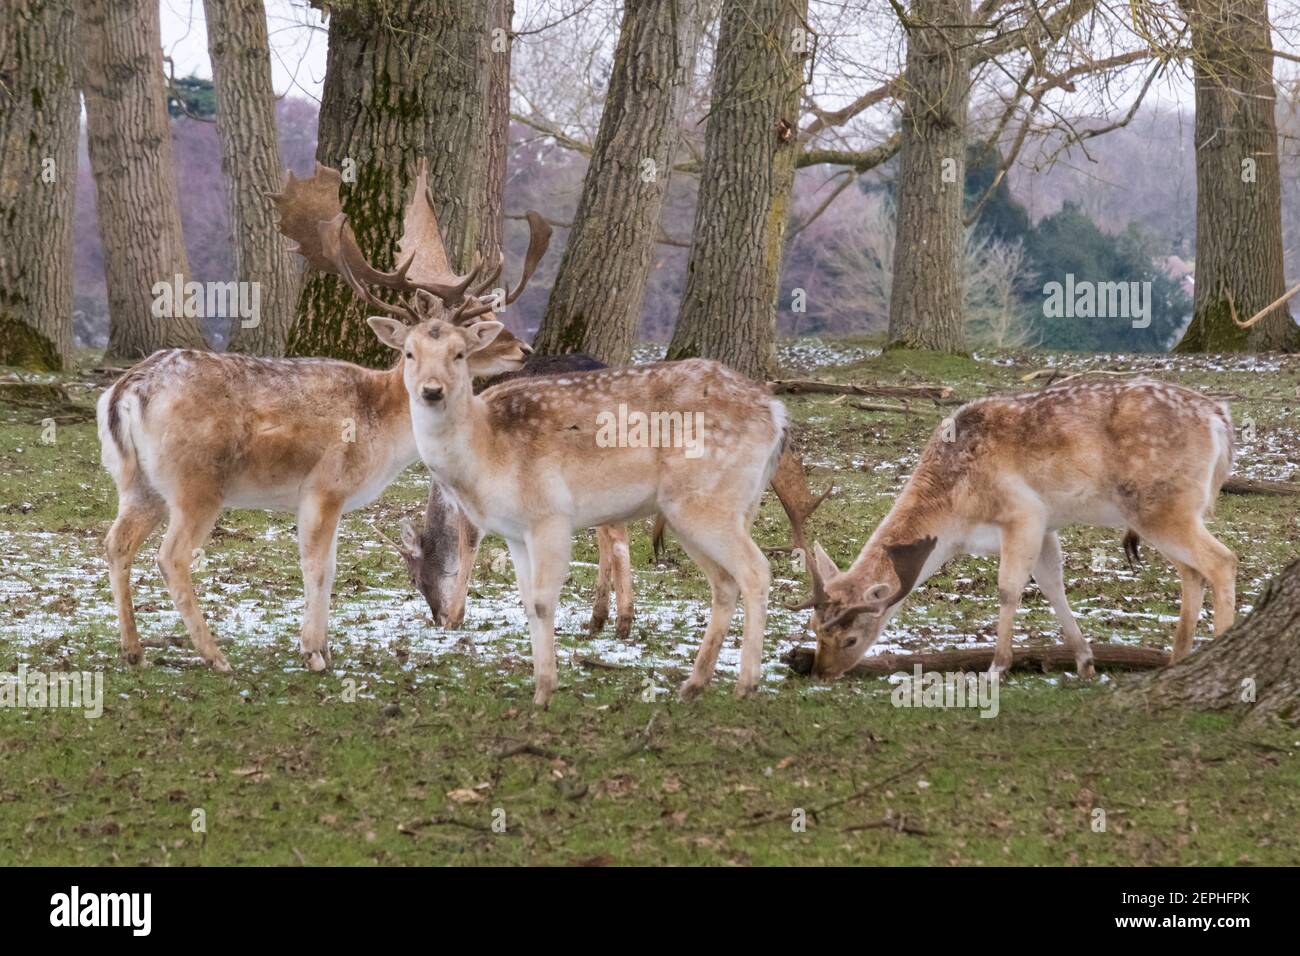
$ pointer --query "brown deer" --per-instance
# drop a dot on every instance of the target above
(533, 460)
(187, 433)
(1004, 474)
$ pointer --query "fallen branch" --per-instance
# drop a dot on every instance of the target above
(1044, 658)
(803, 387)
(881, 407)
(1259, 486)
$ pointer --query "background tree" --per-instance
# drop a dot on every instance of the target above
(135, 185)
(496, 128)
(402, 82)
(728, 309)
(1238, 182)
(596, 300)
(925, 309)
(39, 110)
(250, 161)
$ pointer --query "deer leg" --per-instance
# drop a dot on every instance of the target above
(467, 541)
(1048, 573)
(732, 548)
(137, 516)
(549, 548)
(1219, 565)
(1189, 612)
(318, 525)
(1021, 544)
(1187, 544)
(725, 592)
(622, 561)
(188, 527)
(604, 577)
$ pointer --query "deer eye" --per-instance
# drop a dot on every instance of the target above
(409, 355)
(459, 356)
(850, 642)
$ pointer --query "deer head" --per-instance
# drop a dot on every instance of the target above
(312, 216)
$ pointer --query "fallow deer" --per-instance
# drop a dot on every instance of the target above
(1005, 473)
(535, 462)
(188, 433)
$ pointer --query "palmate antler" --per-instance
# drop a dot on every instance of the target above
(311, 215)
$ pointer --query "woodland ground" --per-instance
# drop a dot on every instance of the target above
(442, 740)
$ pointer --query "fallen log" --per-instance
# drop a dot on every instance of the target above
(1259, 486)
(804, 387)
(1040, 658)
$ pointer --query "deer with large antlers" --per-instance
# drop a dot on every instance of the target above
(533, 460)
(1004, 474)
(185, 433)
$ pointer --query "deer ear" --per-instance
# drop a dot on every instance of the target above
(481, 334)
(410, 540)
(826, 568)
(908, 559)
(390, 331)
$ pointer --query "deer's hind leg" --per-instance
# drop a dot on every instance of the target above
(138, 513)
(189, 522)
(604, 580)
(1188, 545)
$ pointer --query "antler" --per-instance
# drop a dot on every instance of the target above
(306, 206)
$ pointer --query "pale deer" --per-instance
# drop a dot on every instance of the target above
(526, 460)
(1003, 474)
(188, 433)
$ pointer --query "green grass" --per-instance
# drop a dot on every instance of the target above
(419, 742)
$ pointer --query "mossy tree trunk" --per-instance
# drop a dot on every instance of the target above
(1253, 669)
(402, 82)
(1238, 184)
(733, 272)
(135, 182)
(925, 307)
(595, 304)
(250, 160)
(40, 105)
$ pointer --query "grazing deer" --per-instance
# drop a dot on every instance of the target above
(188, 433)
(1004, 474)
(533, 460)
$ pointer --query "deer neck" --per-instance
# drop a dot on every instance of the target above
(917, 514)
(451, 439)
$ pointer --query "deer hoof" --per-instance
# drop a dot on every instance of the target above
(219, 665)
(623, 629)
(134, 657)
(745, 689)
(690, 690)
(1086, 670)
(596, 624)
(315, 661)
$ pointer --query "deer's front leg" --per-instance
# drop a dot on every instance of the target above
(1021, 544)
(548, 548)
(318, 525)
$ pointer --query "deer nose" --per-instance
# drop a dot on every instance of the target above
(431, 393)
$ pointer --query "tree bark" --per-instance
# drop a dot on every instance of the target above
(40, 106)
(595, 303)
(733, 271)
(250, 160)
(1238, 185)
(1253, 669)
(496, 126)
(925, 308)
(402, 82)
(135, 182)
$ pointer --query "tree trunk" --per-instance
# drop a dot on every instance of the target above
(496, 126)
(39, 111)
(733, 272)
(1254, 668)
(250, 160)
(400, 84)
(1238, 186)
(135, 182)
(925, 306)
(595, 304)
